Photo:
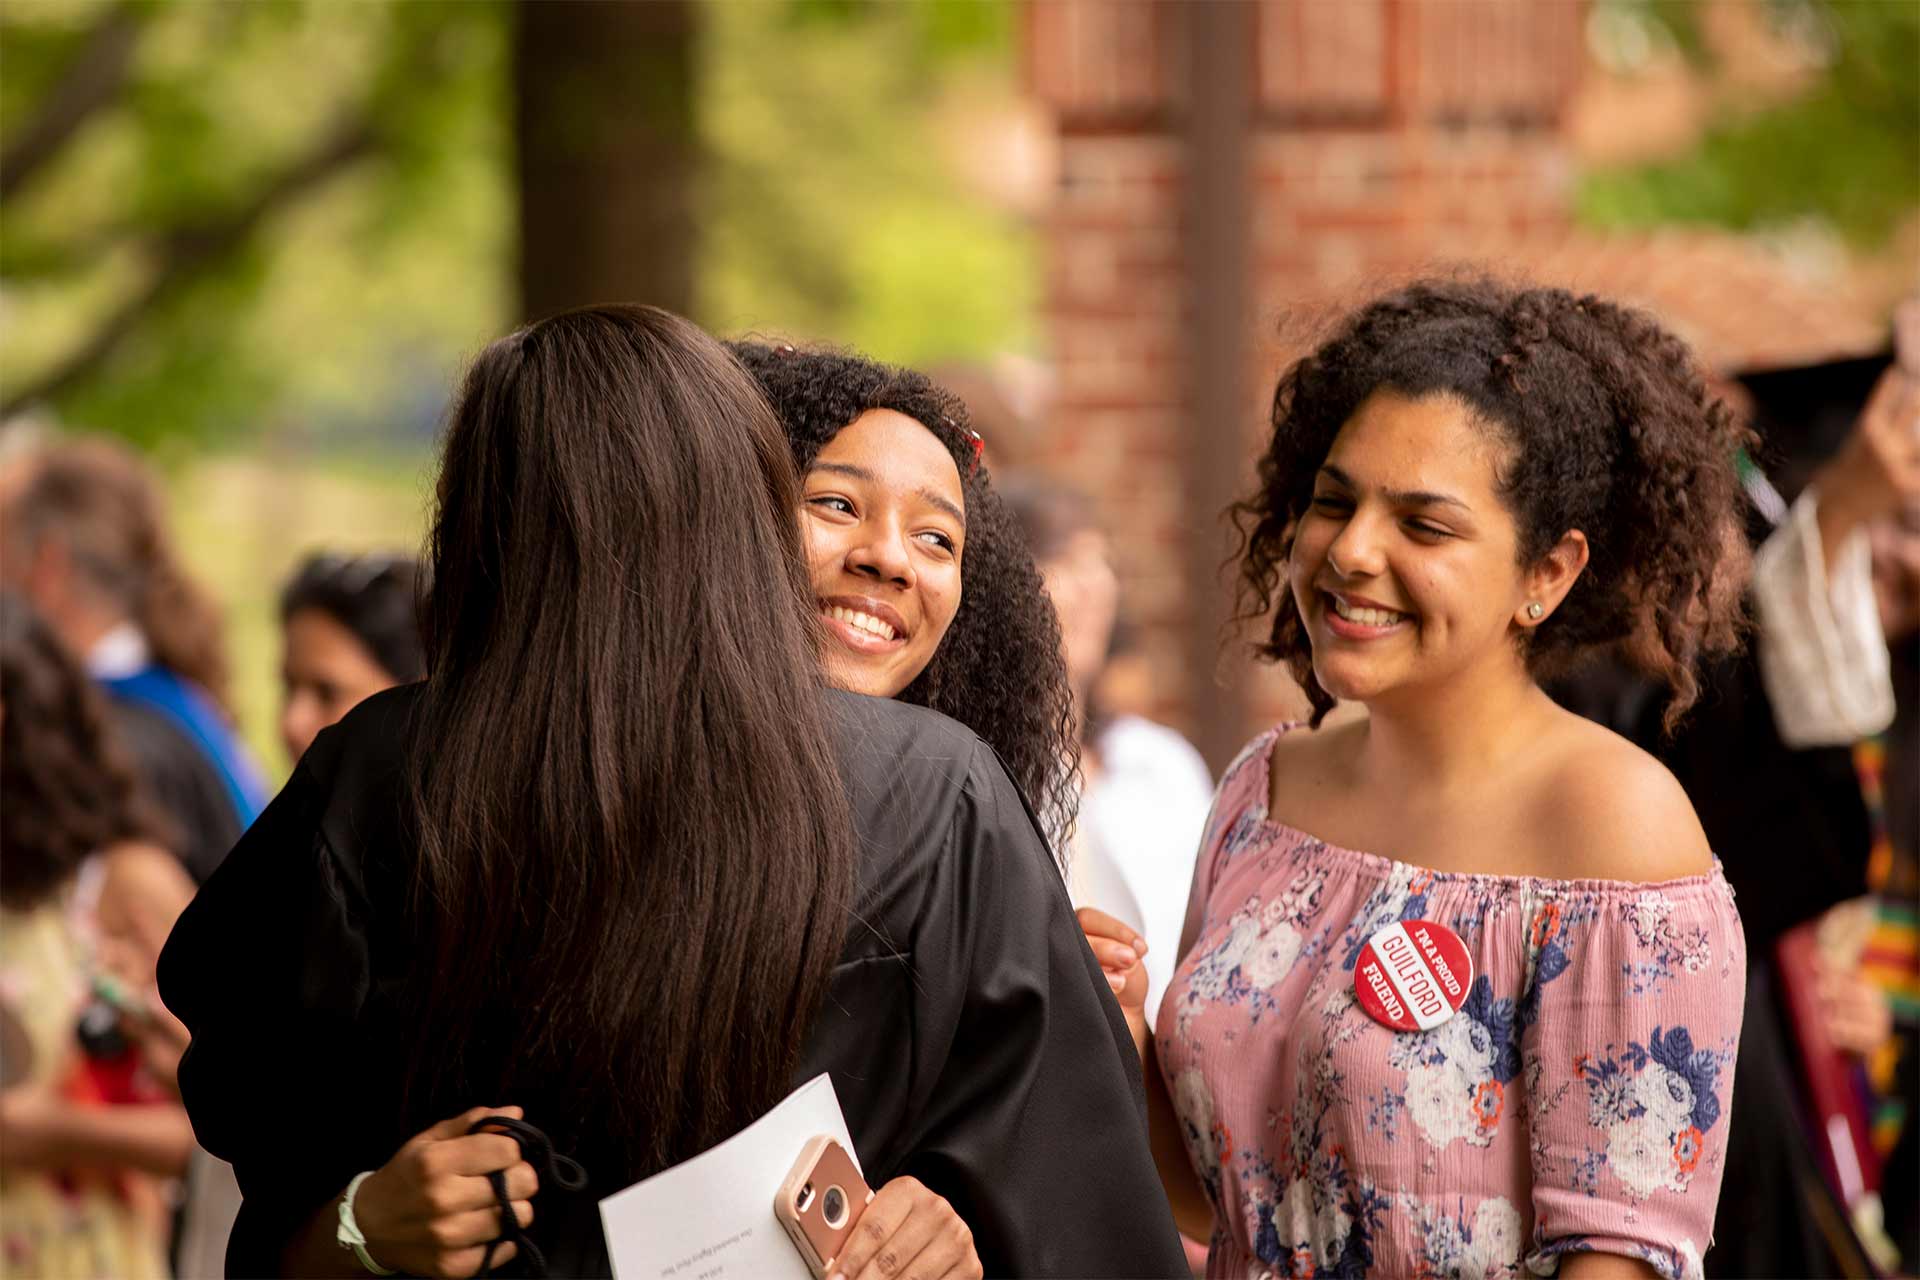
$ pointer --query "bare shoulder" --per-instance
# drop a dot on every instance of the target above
(1303, 761)
(1334, 739)
(1619, 814)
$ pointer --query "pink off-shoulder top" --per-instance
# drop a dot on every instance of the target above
(1577, 1101)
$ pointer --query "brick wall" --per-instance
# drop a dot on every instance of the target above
(1379, 132)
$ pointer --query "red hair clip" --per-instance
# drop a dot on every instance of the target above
(975, 442)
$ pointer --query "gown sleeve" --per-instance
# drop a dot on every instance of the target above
(1630, 1020)
(1035, 1127)
(268, 967)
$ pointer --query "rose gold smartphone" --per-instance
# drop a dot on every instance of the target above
(820, 1201)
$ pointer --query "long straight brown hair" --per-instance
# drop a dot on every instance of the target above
(636, 860)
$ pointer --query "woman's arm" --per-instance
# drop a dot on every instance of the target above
(429, 1211)
(41, 1130)
(1121, 953)
(1191, 1212)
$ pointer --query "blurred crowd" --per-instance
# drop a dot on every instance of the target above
(124, 782)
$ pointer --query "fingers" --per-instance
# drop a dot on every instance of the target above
(456, 1264)
(1098, 924)
(1114, 957)
(452, 1232)
(930, 1242)
(445, 1196)
(890, 1206)
(899, 1254)
(1856, 1013)
(457, 1126)
(916, 1233)
(468, 1157)
(458, 1231)
(949, 1255)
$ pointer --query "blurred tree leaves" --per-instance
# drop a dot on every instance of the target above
(831, 212)
(298, 215)
(1847, 152)
(277, 211)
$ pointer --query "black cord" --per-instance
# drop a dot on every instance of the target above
(536, 1148)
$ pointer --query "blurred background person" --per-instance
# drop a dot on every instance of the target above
(1891, 956)
(1801, 763)
(83, 536)
(1145, 789)
(86, 1130)
(261, 239)
(350, 627)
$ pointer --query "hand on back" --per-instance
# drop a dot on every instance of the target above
(1121, 952)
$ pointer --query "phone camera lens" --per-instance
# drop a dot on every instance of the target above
(834, 1206)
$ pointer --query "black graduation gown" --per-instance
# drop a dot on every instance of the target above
(971, 1037)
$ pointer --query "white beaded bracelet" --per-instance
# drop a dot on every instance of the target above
(349, 1234)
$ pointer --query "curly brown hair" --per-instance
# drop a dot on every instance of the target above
(65, 789)
(1609, 429)
(999, 669)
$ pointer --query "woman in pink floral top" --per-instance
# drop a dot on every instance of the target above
(1467, 487)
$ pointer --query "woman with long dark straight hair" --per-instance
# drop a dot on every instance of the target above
(622, 862)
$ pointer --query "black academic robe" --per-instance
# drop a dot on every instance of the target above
(971, 1037)
(1791, 830)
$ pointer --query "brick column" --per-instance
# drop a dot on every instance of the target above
(1380, 132)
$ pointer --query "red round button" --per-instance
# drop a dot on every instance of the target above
(1413, 975)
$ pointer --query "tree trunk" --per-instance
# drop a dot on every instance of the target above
(607, 153)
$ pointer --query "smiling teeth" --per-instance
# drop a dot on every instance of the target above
(1366, 617)
(864, 621)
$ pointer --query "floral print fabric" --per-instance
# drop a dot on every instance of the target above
(1575, 1102)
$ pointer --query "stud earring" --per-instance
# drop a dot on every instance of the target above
(1535, 609)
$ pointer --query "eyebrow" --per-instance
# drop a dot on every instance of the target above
(1401, 497)
(926, 495)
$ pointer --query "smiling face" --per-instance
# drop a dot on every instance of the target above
(1404, 565)
(885, 521)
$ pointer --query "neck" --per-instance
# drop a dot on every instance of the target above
(81, 628)
(1463, 731)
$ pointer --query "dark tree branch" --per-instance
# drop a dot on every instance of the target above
(188, 252)
(96, 76)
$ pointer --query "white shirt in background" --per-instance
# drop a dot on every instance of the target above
(1823, 656)
(1141, 821)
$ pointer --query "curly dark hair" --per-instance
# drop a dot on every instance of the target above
(1609, 429)
(66, 791)
(999, 669)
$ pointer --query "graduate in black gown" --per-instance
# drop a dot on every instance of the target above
(621, 863)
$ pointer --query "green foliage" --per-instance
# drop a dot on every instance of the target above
(1848, 152)
(831, 212)
(830, 206)
(222, 102)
